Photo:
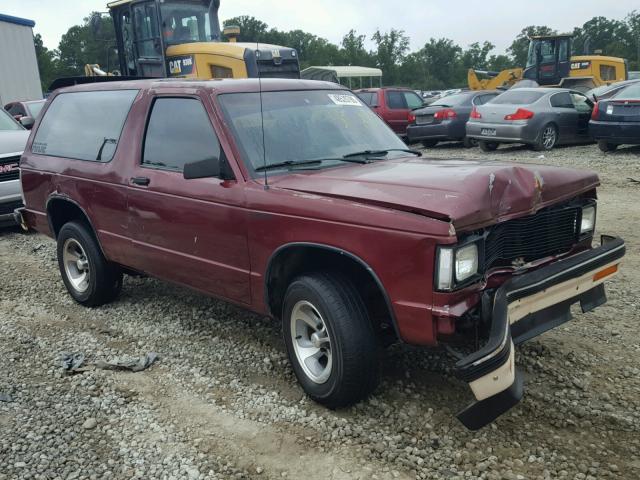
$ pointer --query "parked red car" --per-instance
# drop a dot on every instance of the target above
(394, 105)
(292, 199)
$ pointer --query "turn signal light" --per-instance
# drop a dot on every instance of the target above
(605, 272)
(445, 114)
(521, 114)
(475, 113)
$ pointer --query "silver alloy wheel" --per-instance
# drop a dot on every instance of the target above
(76, 265)
(549, 137)
(311, 342)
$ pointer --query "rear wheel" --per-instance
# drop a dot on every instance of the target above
(90, 279)
(330, 341)
(606, 146)
(429, 143)
(469, 142)
(488, 146)
(547, 138)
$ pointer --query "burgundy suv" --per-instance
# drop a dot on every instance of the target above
(394, 105)
(291, 198)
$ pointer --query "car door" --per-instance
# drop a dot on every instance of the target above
(194, 231)
(565, 116)
(584, 107)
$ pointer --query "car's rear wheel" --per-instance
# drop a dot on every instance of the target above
(607, 146)
(547, 138)
(331, 343)
(429, 143)
(90, 279)
(469, 142)
(488, 146)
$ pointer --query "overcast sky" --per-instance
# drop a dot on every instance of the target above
(498, 21)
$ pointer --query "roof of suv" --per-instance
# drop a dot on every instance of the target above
(218, 85)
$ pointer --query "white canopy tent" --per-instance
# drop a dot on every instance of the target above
(350, 76)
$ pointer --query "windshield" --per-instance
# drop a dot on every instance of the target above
(305, 125)
(184, 22)
(517, 97)
(632, 92)
(35, 108)
(6, 122)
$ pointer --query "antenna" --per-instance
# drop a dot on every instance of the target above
(264, 146)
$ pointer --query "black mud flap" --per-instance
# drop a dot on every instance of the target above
(482, 413)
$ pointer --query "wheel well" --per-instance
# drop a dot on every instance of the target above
(61, 211)
(297, 260)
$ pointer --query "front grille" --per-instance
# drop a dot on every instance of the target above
(9, 207)
(549, 232)
(9, 168)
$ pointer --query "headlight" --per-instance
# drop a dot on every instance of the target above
(588, 219)
(456, 265)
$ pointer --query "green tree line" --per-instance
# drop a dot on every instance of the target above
(440, 63)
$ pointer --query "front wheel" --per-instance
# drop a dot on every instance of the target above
(330, 341)
(429, 143)
(606, 146)
(90, 279)
(488, 146)
(469, 142)
(547, 138)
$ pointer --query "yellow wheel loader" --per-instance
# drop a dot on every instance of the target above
(549, 64)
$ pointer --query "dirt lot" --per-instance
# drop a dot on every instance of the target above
(222, 402)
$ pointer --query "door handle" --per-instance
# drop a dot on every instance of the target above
(144, 181)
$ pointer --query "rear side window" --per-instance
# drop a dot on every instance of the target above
(517, 97)
(179, 132)
(84, 125)
(396, 100)
(562, 100)
(370, 98)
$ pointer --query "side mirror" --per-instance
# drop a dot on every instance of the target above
(209, 167)
(27, 122)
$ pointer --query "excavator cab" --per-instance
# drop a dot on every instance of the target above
(549, 59)
(182, 38)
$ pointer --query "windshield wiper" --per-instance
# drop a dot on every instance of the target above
(376, 153)
(315, 161)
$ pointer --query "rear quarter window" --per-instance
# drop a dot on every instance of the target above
(517, 97)
(84, 125)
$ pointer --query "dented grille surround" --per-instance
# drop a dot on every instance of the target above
(549, 232)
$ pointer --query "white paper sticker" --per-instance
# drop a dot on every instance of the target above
(349, 100)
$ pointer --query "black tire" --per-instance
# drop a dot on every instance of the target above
(103, 281)
(547, 138)
(429, 143)
(605, 146)
(469, 142)
(353, 344)
(488, 146)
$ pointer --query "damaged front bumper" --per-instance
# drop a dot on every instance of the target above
(524, 307)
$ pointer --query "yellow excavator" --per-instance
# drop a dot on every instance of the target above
(549, 64)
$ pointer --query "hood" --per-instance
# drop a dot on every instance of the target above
(13, 141)
(468, 193)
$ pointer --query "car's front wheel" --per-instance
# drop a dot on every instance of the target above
(429, 143)
(606, 146)
(90, 279)
(488, 146)
(331, 343)
(469, 142)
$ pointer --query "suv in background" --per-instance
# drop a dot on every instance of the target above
(13, 138)
(292, 199)
(25, 112)
(394, 105)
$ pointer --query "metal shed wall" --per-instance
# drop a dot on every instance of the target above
(19, 75)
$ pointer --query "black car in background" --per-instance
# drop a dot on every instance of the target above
(445, 119)
(616, 121)
(607, 91)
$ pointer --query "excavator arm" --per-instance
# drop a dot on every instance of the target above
(493, 80)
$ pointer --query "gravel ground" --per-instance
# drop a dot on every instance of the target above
(222, 402)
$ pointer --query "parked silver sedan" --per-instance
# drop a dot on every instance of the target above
(539, 117)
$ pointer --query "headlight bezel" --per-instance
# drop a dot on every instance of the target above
(592, 207)
(445, 271)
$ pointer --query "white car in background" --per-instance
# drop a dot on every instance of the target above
(13, 138)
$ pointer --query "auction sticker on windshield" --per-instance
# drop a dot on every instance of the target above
(345, 100)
